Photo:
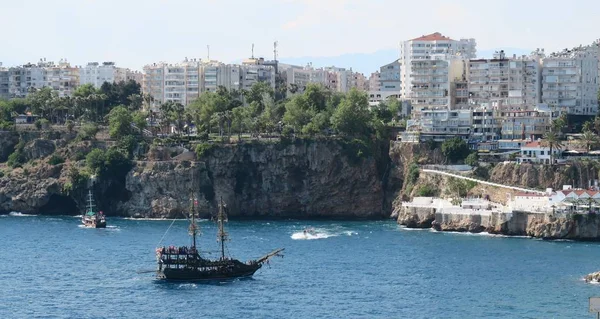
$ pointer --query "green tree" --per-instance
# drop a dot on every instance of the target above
(84, 91)
(352, 116)
(297, 113)
(472, 159)
(88, 131)
(552, 141)
(127, 144)
(455, 149)
(239, 120)
(256, 94)
(119, 122)
(95, 160)
(589, 139)
(139, 119)
(41, 101)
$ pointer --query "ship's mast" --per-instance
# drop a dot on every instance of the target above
(90, 202)
(222, 235)
(193, 229)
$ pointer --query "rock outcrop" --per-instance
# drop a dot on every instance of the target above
(545, 226)
(299, 180)
(303, 179)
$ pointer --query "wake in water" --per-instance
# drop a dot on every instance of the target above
(17, 214)
(320, 233)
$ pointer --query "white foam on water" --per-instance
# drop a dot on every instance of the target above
(320, 233)
(17, 214)
(302, 236)
(402, 227)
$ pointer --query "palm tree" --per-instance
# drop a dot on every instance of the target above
(552, 141)
(597, 124)
(589, 139)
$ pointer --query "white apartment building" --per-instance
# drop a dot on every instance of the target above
(439, 125)
(215, 74)
(433, 81)
(505, 83)
(184, 82)
(426, 46)
(297, 77)
(256, 70)
(570, 79)
(96, 74)
(61, 77)
(389, 77)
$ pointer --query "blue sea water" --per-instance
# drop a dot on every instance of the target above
(52, 268)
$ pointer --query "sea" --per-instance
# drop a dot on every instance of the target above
(53, 268)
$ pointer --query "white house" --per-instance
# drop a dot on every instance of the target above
(534, 152)
(530, 202)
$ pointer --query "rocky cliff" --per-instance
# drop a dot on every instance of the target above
(546, 226)
(577, 174)
(302, 179)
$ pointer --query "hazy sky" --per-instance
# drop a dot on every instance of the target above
(134, 33)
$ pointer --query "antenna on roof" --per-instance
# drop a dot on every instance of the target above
(275, 51)
(208, 52)
(253, 50)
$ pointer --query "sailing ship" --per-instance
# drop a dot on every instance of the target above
(186, 263)
(91, 218)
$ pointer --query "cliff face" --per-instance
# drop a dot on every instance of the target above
(305, 179)
(544, 176)
(301, 180)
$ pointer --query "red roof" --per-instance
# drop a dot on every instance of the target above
(431, 37)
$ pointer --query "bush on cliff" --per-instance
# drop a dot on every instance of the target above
(203, 149)
(88, 132)
(472, 159)
(112, 163)
(119, 122)
(455, 149)
(56, 159)
(426, 191)
(17, 158)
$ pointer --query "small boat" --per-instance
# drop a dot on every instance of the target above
(309, 231)
(91, 218)
(186, 263)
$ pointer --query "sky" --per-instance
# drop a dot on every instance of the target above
(362, 34)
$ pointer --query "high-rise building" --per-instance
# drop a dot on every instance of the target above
(570, 80)
(61, 77)
(425, 48)
(4, 83)
(96, 74)
(505, 83)
(178, 83)
(433, 81)
(184, 82)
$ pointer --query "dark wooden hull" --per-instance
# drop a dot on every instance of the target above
(200, 274)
